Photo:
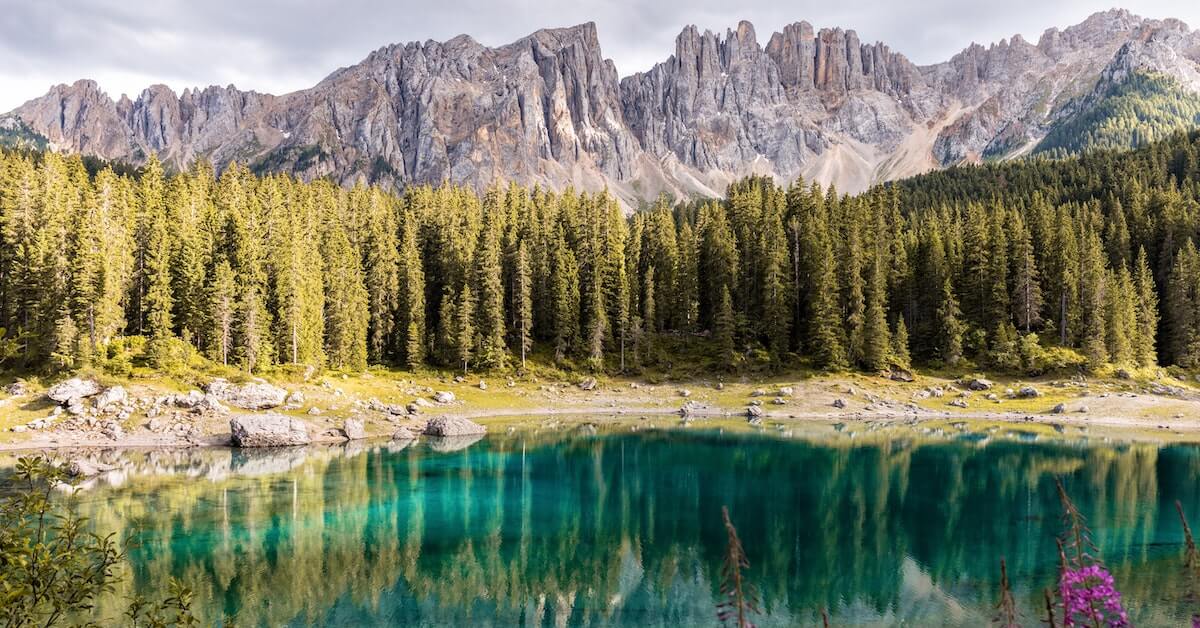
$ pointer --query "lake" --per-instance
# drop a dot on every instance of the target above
(621, 528)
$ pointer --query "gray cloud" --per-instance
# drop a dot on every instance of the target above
(282, 45)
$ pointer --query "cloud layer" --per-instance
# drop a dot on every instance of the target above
(278, 46)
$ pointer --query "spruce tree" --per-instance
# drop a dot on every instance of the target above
(723, 330)
(1145, 347)
(900, 353)
(523, 304)
(411, 316)
(493, 352)
(950, 327)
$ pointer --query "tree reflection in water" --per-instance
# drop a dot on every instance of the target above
(625, 529)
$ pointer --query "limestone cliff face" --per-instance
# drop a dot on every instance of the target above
(549, 109)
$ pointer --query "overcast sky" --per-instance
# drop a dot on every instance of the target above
(278, 46)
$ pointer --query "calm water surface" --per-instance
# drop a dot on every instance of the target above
(624, 529)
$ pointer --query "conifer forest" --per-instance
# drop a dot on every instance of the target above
(1030, 265)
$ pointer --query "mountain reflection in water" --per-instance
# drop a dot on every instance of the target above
(624, 529)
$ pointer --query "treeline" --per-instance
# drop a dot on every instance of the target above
(1144, 108)
(1034, 265)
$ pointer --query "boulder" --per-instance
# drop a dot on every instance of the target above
(755, 412)
(977, 383)
(482, 385)
(16, 389)
(690, 407)
(403, 433)
(314, 411)
(386, 408)
(443, 396)
(113, 430)
(110, 397)
(779, 401)
(1028, 392)
(453, 426)
(759, 392)
(1059, 409)
(252, 396)
(589, 383)
(353, 429)
(209, 403)
(73, 389)
(267, 430)
(683, 392)
(901, 375)
(959, 403)
(839, 403)
(192, 399)
(786, 391)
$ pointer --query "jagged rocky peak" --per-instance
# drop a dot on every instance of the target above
(549, 109)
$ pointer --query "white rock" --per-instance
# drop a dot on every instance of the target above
(73, 389)
(353, 429)
(453, 426)
(267, 430)
(110, 397)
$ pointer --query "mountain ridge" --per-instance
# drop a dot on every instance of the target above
(550, 109)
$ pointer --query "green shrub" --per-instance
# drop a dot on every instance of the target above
(52, 568)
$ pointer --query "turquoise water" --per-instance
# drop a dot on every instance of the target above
(624, 529)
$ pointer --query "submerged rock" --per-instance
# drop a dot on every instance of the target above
(81, 468)
(453, 426)
(267, 430)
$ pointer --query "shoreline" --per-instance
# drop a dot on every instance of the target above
(171, 414)
(1113, 426)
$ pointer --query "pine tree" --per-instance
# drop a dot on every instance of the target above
(1027, 289)
(222, 309)
(1147, 312)
(950, 328)
(565, 299)
(464, 327)
(900, 353)
(346, 302)
(876, 343)
(381, 268)
(411, 316)
(1183, 305)
(1121, 326)
(493, 352)
(723, 330)
(1092, 282)
(523, 304)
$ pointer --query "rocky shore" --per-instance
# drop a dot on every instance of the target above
(257, 413)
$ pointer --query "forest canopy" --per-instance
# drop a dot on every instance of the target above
(1031, 265)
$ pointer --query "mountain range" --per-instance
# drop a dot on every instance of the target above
(549, 109)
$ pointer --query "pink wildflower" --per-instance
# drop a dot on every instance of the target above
(1089, 598)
